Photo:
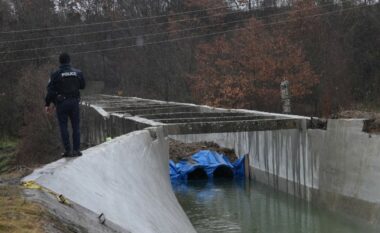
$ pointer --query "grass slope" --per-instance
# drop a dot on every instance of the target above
(7, 154)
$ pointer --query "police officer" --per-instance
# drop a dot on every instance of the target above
(63, 92)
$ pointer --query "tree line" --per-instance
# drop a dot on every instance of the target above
(223, 53)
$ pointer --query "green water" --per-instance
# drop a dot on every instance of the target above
(247, 207)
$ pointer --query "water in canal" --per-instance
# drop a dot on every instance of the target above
(247, 207)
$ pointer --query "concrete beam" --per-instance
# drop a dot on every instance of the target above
(161, 110)
(232, 126)
(126, 108)
(191, 115)
(118, 104)
(211, 119)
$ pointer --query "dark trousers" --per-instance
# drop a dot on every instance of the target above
(69, 109)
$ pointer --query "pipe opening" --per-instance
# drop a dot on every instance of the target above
(223, 172)
(198, 174)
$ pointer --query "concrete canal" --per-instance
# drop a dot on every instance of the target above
(308, 172)
(249, 207)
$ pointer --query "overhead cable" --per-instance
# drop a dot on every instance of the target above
(141, 36)
(184, 38)
(144, 26)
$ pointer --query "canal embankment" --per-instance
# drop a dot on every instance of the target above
(125, 181)
(332, 164)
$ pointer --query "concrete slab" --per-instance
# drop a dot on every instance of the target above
(126, 179)
(126, 107)
(212, 119)
(191, 115)
(231, 126)
(205, 108)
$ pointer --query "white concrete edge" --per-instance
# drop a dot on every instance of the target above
(100, 110)
(222, 109)
(138, 119)
(351, 119)
(232, 121)
(56, 169)
(144, 120)
(59, 164)
(282, 116)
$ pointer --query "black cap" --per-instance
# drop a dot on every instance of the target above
(64, 58)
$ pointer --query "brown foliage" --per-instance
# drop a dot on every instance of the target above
(39, 135)
(246, 70)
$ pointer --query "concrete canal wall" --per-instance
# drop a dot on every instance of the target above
(337, 166)
(126, 180)
(279, 158)
(349, 168)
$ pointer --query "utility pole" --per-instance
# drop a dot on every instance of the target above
(285, 97)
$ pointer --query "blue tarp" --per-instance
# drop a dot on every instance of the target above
(184, 168)
(239, 168)
(208, 161)
(173, 170)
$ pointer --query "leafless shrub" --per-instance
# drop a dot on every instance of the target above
(39, 132)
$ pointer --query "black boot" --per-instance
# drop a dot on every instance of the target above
(76, 153)
(66, 154)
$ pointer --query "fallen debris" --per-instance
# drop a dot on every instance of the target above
(183, 151)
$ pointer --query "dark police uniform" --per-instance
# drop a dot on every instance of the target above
(63, 91)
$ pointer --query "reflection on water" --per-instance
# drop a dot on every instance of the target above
(232, 206)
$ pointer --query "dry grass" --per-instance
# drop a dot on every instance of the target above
(17, 215)
(7, 154)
